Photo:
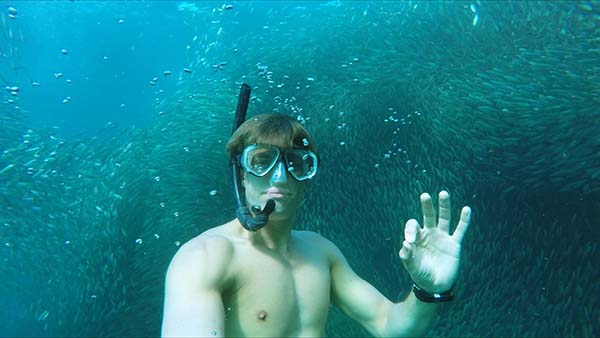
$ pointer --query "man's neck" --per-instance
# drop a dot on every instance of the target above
(274, 236)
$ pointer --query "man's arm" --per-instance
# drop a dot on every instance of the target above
(431, 256)
(193, 303)
(366, 305)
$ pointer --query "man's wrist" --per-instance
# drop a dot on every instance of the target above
(427, 297)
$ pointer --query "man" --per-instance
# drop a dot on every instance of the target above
(279, 282)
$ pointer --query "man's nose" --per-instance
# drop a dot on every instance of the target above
(279, 175)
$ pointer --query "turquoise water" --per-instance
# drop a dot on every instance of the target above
(113, 149)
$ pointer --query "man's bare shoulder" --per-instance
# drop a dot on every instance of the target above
(315, 237)
(211, 248)
(216, 241)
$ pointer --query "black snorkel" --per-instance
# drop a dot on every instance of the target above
(248, 221)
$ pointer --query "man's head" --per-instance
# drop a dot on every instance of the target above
(278, 156)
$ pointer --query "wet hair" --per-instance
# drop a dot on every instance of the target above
(279, 130)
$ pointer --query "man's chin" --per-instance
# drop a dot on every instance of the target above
(283, 210)
(284, 207)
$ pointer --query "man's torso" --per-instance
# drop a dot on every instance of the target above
(276, 295)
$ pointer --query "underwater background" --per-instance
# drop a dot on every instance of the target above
(114, 118)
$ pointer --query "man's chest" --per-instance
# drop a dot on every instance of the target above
(278, 297)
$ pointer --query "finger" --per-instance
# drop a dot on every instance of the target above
(444, 213)
(463, 224)
(428, 212)
(411, 231)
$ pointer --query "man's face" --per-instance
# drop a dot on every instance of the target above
(278, 185)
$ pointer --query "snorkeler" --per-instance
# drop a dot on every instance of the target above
(257, 277)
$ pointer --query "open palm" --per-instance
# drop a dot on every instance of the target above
(430, 254)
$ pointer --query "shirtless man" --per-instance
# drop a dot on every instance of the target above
(279, 282)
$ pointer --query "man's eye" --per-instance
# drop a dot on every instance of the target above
(261, 163)
(262, 159)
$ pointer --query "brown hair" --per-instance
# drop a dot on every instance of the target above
(276, 129)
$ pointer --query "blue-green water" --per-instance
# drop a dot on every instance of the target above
(113, 149)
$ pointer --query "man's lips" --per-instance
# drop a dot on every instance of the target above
(276, 193)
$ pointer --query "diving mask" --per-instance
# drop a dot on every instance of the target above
(260, 159)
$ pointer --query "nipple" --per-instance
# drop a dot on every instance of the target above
(262, 315)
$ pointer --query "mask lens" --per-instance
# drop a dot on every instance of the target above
(302, 164)
(259, 160)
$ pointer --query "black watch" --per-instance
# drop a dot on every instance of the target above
(427, 297)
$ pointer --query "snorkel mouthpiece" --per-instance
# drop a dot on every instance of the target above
(259, 219)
